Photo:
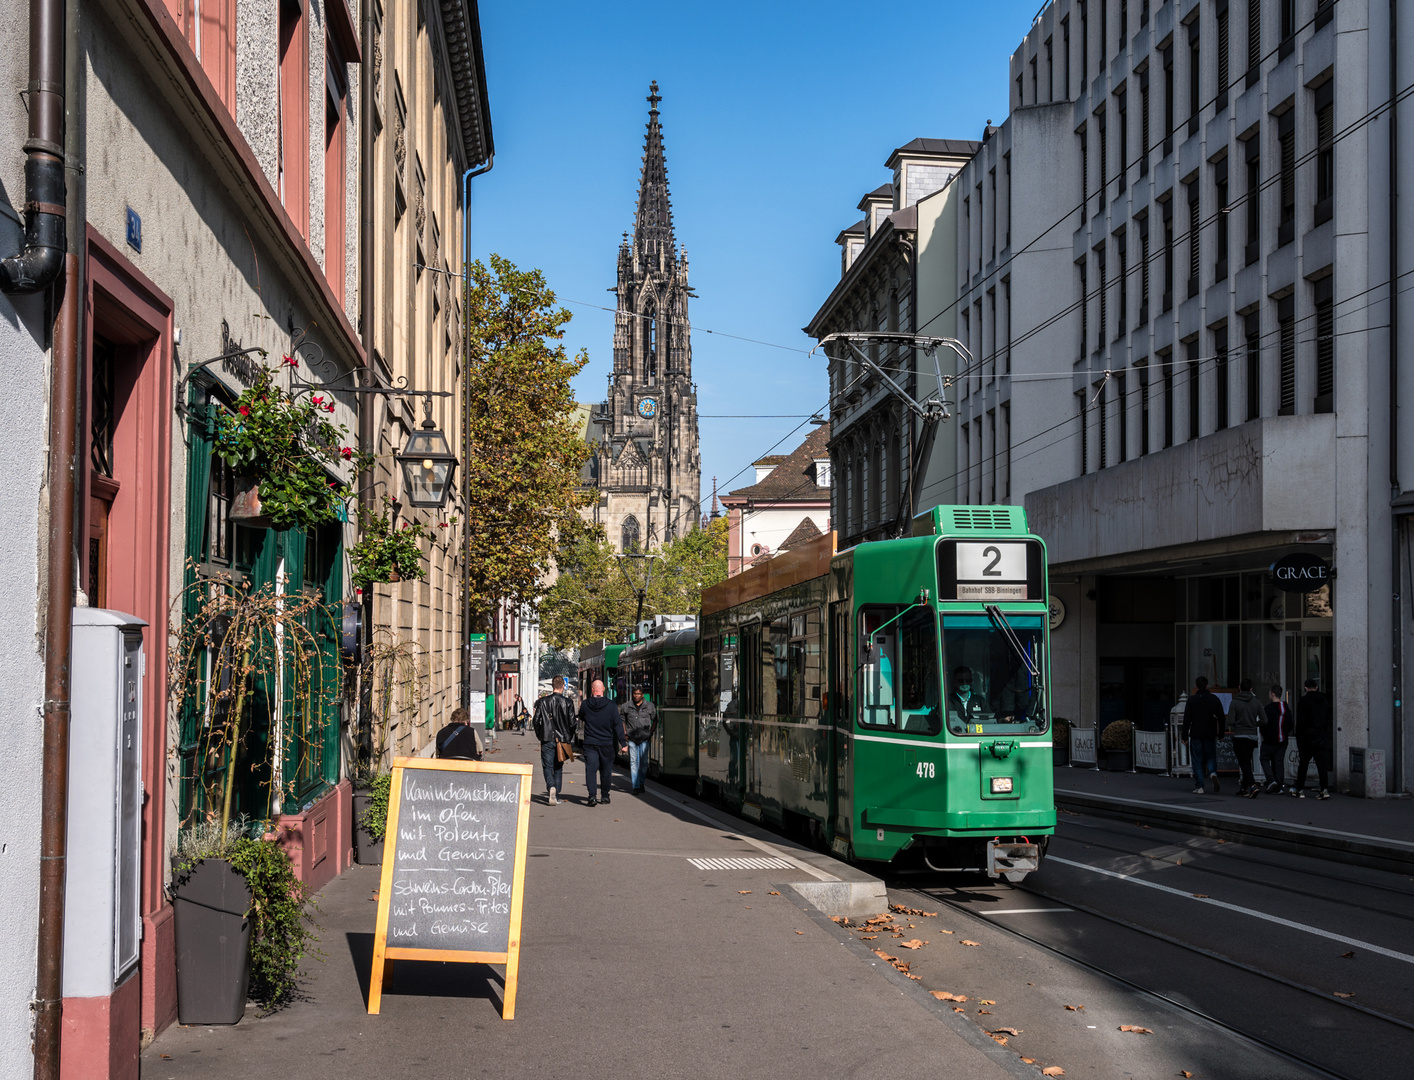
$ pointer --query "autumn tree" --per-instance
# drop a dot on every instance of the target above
(525, 450)
(598, 591)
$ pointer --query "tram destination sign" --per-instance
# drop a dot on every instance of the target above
(990, 570)
(1300, 573)
(453, 867)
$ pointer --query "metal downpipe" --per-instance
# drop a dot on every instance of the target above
(467, 178)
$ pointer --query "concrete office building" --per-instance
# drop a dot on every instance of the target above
(1199, 370)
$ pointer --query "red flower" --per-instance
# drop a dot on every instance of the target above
(292, 361)
(317, 398)
(347, 453)
(441, 524)
(329, 407)
(245, 410)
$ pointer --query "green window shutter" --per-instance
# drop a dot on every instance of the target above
(199, 439)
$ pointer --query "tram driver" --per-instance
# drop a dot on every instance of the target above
(965, 704)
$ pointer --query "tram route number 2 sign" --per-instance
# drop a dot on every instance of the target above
(453, 868)
(991, 570)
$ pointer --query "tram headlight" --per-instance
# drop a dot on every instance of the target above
(1001, 785)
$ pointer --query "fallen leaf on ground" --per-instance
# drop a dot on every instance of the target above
(867, 937)
(958, 1008)
(1340, 995)
(800, 931)
(903, 967)
(943, 995)
(915, 978)
(1135, 1029)
(878, 919)
(1347, 956)
(1201, 896)
(984, 1001)
(885, 956)
(1052, 1070)
(913, 944)
(1029, 1061)
(1007, 1031)
(912, 911)
(744, 892)
(964, 941)
(1188, 1074)
(1001, 1039)
(983, 1012)
(773, 892)
(947, 931)
(1074, 1008)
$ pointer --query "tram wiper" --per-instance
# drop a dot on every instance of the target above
(1033, 669)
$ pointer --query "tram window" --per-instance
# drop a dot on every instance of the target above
(778, 681)
(711, 672)
(679, 689)
(899, 687)
(806, 662)
(729, 685)
(989, 687)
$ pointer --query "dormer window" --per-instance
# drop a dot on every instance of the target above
(822, 472)
(881, 214)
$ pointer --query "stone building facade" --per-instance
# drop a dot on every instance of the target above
(1202, 367)
(873, 432)
(646, 465)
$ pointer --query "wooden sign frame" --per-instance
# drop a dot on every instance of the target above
(383, 956)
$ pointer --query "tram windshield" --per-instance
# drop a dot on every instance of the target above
(990, 688)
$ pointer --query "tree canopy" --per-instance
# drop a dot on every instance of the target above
(597, 593)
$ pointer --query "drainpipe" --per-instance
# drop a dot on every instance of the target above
(1396, 562)
(34, 269)
(37, 266)
(367, 440)
(467, 178)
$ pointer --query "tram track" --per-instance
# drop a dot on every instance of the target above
(1339, 1005)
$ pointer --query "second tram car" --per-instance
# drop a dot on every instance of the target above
(665, 667)
(892, 699)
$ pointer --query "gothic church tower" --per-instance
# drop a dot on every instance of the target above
(649, 467)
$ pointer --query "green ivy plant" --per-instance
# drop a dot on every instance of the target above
(288, 444)
(385, 548)
(282, 933)
(374, 819)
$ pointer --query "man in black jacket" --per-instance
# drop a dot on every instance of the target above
(603, 738)
(640, 718)
(1276, 729)
(1313, 738)
(457, 740)
(554, 724)
(1203, 724)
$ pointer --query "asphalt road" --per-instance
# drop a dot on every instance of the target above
(1242, 962)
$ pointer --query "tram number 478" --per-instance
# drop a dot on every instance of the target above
(926, 770)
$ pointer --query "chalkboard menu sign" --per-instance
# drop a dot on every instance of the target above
(453, 867)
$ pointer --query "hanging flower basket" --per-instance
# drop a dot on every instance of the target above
(284, 450)
(386, 551)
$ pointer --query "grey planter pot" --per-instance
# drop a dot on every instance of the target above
(367, 851)
(1119, 760)
(210, 903)
(1060, 755)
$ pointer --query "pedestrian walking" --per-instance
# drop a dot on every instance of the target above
(640, 718)
(519, 714)
(603, 738)
(1313, 739)
(554, 727)
(1244, 719)
(457, 740)
(1203, 724)
(1276, 729)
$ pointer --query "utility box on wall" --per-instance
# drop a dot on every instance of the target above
(102, 912)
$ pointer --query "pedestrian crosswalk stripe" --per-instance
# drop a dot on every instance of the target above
(740, 864)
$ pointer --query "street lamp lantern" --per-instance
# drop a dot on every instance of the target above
(428, 466)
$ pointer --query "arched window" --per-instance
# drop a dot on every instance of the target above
(650, 345)
(630, 534)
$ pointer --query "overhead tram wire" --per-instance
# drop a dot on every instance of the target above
(1203, 107)
(691, 327)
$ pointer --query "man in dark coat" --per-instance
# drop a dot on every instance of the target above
(1243, 717)
(640, 722)
(1203, 725)
(553, 724)
(457, 740)
(1313, 739)
(603, 738)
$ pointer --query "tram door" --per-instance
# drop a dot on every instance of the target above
(841, 716)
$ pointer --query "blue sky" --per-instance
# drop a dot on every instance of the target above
(776, 118)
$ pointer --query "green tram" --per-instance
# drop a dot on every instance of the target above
(665, 667)
(600, 660)
(893, 699)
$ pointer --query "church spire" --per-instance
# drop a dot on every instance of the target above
(653, 225)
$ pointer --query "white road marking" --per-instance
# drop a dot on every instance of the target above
(759, 863)
(1024, 910)
(1381, 950)
(759, 845)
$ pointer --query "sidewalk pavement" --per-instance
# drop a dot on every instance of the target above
(1366, 832)
(635, 963)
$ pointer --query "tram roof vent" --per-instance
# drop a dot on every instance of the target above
(951, 520)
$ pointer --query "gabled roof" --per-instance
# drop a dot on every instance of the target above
(935, 148)
(793, 480)
(859, 228)
(803, 533)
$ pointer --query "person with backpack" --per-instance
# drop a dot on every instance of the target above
(457, 740)
(1243, 716)
(1203, 724)
(1313, 739)
(640, 722)
(554, 727)
(1276, 729)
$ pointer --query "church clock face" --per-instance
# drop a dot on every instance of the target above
(648, 407)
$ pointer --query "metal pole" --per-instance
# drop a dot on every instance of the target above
(466, 427)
